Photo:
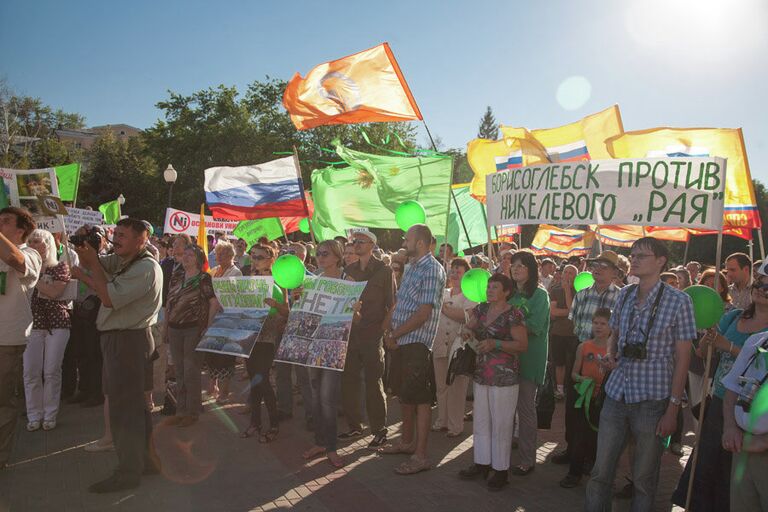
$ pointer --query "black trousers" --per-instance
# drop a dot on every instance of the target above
(584, 445)
(571, 413)
(82, 368)
(126, 357)
(258, 367)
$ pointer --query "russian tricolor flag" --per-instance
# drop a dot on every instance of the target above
(271, 189)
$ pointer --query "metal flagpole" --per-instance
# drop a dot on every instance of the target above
(704, 385)
(450, 189)
(303, 197)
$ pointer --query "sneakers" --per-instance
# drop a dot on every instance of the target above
(33, 425)
(378, 439)
(49, 425)
(114, 483)
(351, 434)
(474, 471)
(498, 481)
(570, 481)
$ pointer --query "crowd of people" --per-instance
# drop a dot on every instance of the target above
(623, 355)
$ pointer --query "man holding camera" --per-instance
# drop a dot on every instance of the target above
(649, 352)
(129, 284)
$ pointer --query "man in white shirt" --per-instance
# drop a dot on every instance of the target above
(738, 268)
(19, 271)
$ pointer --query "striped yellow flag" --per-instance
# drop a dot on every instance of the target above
(740, 204)
(202, 237)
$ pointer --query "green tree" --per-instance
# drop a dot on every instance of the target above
(123, 167)
(489, 128)
(24, 122)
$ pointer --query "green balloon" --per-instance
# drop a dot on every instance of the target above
(410, 213)
(461, 254)
(583, 281)
(288, 271)
(474, 284)
(304, 225)
(277, 294)
(707, 305)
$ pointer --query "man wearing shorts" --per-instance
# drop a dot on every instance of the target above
(412, 330)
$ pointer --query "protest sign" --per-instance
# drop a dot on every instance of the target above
(178, 222)
(235, 330)
(682, 192)
(78, 217)
(23, 188)
(319, 323)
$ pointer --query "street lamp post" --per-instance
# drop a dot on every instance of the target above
(170, 175)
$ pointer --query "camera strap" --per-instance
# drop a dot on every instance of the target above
(758, 353)
(652, 319)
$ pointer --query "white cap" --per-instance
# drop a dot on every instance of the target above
(365, 232)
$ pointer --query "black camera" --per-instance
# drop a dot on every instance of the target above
(634, 351)
(93, 239)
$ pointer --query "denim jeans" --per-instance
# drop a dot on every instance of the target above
(617, 419)
(326, 389)
(284, 383)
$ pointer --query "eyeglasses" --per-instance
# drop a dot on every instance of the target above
(639, 256)
(323, 254)
(361, 242)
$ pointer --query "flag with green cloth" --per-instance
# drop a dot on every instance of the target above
(111, 211)
(68, 177)
(367, 192)
(472, 212)
(5, 201)
(252, 230)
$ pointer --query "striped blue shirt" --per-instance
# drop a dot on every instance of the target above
(638, 380)
(423, 283)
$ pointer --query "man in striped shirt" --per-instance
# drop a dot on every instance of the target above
(412, 330)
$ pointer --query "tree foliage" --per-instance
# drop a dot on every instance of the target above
(489, 128)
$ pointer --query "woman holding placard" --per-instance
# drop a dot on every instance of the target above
(260, 362)
(533, 300)
(326, 383)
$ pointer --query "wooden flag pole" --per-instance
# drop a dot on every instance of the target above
(762, 244)
(704, 385)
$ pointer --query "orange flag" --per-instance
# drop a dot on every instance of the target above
(202, 237)
(366, 87)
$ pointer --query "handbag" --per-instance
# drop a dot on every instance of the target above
(462, 362)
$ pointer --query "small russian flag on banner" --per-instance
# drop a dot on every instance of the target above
(271, 189)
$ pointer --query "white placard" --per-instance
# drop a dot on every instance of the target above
(79, 217)
(178, 222)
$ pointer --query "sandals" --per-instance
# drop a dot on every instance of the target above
(251, 430)
(313, 452)
(268, 436)
(413, 466)
(395, 449)
(335, 460)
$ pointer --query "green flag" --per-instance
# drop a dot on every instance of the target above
(473, 213)
(367, 193)
(252, 230)
(111, 212)
(68, 177)
(4, 200)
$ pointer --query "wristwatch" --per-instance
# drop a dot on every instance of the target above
(675, 401)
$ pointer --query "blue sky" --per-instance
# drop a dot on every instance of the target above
(665, 62)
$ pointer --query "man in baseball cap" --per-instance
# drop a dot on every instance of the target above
(605, 257)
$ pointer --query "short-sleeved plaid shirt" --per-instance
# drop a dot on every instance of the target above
(423, 283)
(585, 303)
(637, 380)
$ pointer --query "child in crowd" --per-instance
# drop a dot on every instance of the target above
(587, 366)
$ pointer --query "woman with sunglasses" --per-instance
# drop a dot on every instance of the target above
(190, 308)
(711, 485)
(326, 383)
(533, 300)
(259, 364)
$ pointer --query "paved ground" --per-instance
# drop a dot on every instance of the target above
(209, 468)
